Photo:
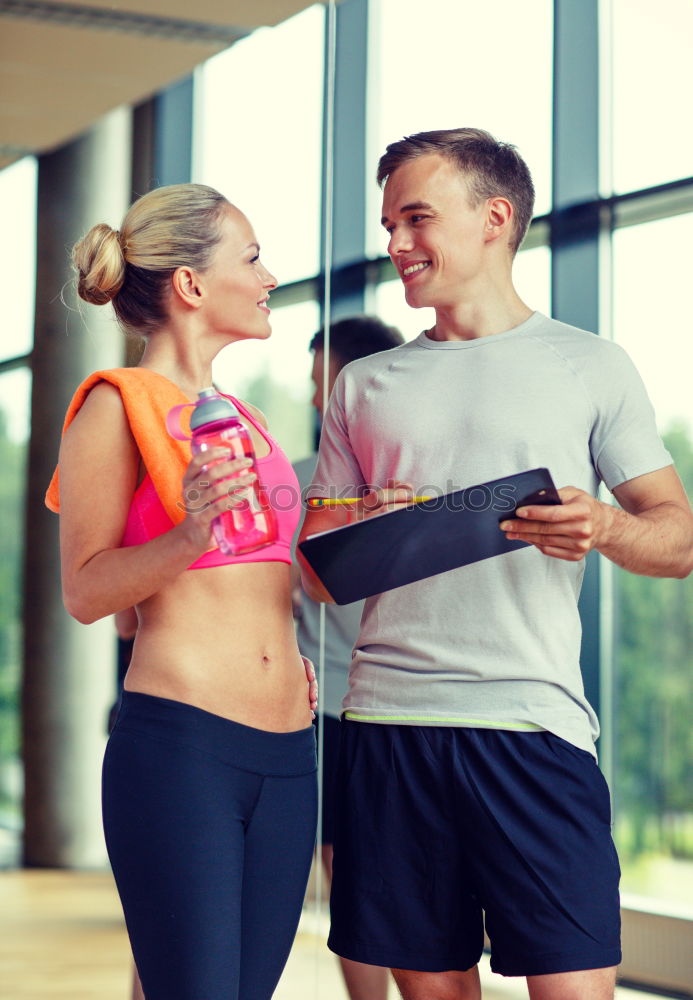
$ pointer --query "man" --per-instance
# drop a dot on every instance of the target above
(350, 338)
(468, 744)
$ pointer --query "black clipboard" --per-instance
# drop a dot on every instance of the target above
(424, 539)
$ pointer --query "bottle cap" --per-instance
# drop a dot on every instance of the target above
(211, 407)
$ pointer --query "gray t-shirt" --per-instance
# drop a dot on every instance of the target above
(495, 644)
(341, 625)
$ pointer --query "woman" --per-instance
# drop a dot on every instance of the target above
(209, 790)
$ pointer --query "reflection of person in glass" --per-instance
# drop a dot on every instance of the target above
(468, 783)
(350, 338)
(209, 777)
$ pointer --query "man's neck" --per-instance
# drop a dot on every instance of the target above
(469, 320)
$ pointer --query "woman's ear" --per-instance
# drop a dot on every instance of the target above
(187, 285)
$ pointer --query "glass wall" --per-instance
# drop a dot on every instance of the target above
(275, 375)
(259, 140)
(482, 65)
(259, 137)
(652, 84)
(654, 618)
(18, 264)
(651, 78)
(14, 434)
(18, 256)
(445, 74)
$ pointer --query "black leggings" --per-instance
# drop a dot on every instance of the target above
(210, 829)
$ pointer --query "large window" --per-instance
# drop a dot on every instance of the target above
(259, 127)
(445, 65)
(275, 375)
(18, 256)
(654, 618)
(441, 71)
(651, 80)
(259, 141)
(14, 432)
(652, 86)
(18, 263)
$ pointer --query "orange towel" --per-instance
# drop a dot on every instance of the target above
(147, 398)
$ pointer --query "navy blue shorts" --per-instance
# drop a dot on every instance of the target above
(440, 828)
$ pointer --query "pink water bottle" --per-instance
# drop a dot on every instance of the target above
(246, 521)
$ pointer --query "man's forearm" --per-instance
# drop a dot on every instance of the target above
(311, 584)
(656, 542)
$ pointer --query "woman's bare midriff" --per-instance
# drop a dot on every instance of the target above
(223, 639)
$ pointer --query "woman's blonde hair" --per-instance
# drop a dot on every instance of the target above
(174, 226)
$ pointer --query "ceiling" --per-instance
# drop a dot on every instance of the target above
(63, 65)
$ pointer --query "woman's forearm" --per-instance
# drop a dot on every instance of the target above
(119, 578)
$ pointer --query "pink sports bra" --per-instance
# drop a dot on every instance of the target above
(147, 518)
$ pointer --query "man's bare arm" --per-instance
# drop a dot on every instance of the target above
(318, 519)
(652, 533)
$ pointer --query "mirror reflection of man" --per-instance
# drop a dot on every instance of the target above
(468, 788)
(350, 338)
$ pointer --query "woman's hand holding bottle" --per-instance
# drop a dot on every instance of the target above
(209, 483)
(247, 522)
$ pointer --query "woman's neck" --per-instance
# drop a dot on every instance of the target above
(185, 364)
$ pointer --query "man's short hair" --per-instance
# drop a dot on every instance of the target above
(491, 167)
(357, 337)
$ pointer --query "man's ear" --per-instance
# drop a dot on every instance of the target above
(187, 284)
(500, 216)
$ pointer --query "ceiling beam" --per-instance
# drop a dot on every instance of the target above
(111, 19)
(65, 64)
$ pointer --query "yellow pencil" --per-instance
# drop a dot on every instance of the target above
(325, 502)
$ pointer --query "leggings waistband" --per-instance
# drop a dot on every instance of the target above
(256, 750)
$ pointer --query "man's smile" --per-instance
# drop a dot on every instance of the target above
(411, 269)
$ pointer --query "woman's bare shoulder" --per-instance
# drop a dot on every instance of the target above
(100, 425)
(257, 413)
(103, 401)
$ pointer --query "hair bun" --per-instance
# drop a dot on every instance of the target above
(100, 264)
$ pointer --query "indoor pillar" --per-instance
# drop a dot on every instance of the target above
(69, 669)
